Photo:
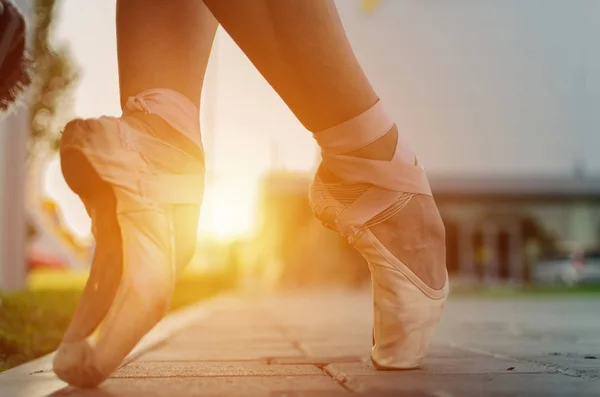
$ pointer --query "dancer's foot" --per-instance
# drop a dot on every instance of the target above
(141, 179)
(382, 203)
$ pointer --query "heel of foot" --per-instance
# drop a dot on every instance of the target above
(80, 175)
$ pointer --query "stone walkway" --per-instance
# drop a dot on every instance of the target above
(317, 344)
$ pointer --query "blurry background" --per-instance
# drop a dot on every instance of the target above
(501, 100)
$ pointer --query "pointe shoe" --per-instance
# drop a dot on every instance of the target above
(406, 310)
(138, 188)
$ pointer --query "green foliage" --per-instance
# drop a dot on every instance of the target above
(32, 322)
(54, 76)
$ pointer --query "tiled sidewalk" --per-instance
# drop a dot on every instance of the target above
(317, 344)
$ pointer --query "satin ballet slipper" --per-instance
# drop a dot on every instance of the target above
(366, 193)
(135, 185)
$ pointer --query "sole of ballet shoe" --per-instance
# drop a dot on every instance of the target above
(102, 285)
(107, 265)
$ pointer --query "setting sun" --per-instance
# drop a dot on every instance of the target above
(225, 213)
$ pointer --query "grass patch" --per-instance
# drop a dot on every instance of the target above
(526, 291)
(33, 321)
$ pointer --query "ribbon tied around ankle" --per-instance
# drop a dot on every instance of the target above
(389, 180)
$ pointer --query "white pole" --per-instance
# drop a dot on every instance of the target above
(13, 227)
(14, 131)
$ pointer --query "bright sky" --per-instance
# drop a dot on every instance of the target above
(507, 88)
(244, 121)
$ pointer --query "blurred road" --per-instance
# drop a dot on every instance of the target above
(317, 344)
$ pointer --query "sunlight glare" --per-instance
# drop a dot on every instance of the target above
(73, 211)
(224, 215)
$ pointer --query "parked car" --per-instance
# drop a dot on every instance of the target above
(37, 260)
(576, 269)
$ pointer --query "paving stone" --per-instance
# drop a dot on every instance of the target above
(199, 342)
(436, 365)
(449, 384)
(321, 349)
(255, 386)
(232, 344)
(318, 332)
(19, 387)
(202, 334)
(318, 361)
(185, 353)
(217, 331)
(589, 367)
(237, 319)
(445, 351)
(531, 333)
(204, 369)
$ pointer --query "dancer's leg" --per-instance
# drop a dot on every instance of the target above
(165, 46)
(300, 47)
(162, 44)
(140, 177)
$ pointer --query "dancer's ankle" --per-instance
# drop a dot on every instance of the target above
(160, 129)
(383, 148)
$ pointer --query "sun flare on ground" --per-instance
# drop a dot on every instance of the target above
(225, 214)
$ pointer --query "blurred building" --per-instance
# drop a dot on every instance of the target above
(492, 225)
(293, 249)
(508, 218)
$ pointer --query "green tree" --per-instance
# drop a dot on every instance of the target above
(54, 76)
